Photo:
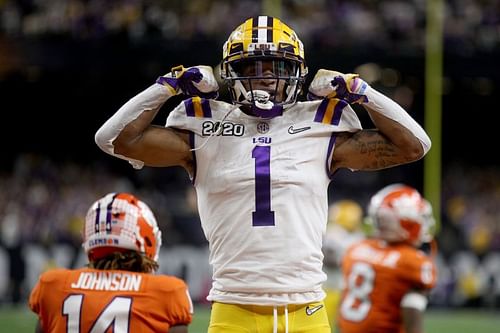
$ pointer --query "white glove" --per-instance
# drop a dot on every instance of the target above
(329, 84)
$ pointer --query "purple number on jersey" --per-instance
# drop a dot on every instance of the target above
(263, 215)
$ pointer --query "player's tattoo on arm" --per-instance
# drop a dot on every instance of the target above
(376, 151)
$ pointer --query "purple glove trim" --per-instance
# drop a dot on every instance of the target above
(186, 79)
(342, 92)
(167, 80)
(276, 110)
(184, 83)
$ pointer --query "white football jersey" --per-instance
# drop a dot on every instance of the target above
(262, 187)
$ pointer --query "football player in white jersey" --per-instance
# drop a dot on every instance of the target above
(262, 165)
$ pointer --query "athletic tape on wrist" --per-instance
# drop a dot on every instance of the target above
(414, 300)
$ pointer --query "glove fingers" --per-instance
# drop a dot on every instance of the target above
(321, 85)
(332, 84)
(192, 81)
(192, 74)
(339, 85)
(207, 82)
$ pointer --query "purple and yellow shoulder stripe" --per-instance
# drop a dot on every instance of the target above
(330, 111)
(198, 107)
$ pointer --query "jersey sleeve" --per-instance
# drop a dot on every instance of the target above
(34, 298)
(40, 293)
(178, 302)
(420, 270)
(43, 294)
(339, 114)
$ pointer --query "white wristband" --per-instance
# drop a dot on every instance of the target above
(148, 100)
(389, 108)
(414, 300)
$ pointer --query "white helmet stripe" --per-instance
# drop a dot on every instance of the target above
(265, 39)
(263, 24)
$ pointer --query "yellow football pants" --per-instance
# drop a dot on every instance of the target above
(237, 318)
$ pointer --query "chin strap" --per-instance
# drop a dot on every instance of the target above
(276, 110)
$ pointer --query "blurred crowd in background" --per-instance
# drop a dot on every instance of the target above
(43, 200)
(389, 25)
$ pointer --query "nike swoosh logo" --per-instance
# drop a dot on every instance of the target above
(311, 311)
(292, 130)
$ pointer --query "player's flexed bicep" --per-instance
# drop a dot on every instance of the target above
(155, 146)
(399, 139)
(365, 150)
(129, 134)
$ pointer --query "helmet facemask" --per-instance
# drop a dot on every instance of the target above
(266, 83)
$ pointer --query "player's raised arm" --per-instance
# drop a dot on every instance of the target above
(397, 139)
(129, 134)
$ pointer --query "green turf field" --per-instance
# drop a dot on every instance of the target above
(20, 320)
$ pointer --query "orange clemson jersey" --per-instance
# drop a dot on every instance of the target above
(102, 301)
(376, 277)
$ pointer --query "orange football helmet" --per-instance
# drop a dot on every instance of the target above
(120, 221)
(401, 214)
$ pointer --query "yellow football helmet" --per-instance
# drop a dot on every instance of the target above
(264, 49)
(346, 213)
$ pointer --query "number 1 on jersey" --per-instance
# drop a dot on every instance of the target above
(263, 215)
